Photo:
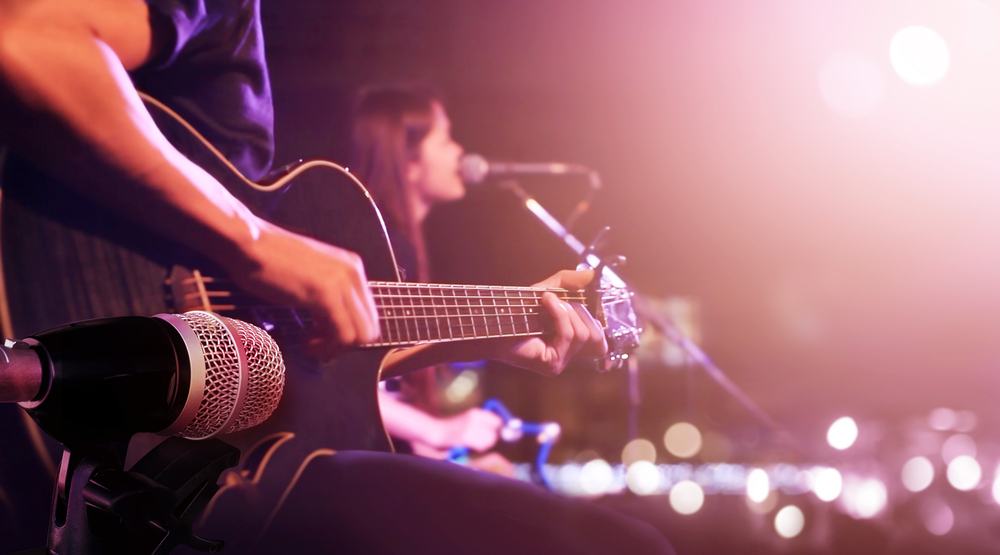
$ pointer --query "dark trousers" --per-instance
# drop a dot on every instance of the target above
(378, 503)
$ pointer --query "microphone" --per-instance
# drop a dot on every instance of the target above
(475, 169)
(196, 375)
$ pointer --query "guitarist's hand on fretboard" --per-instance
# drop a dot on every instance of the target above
(571, 329)
(574, 331)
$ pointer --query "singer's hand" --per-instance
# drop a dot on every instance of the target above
(475, 428)
(287, 268)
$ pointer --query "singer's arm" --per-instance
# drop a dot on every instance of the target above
(67, 104)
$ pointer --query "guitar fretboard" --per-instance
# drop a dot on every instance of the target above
(413, 313)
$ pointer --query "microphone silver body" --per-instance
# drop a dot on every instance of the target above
(21, 376)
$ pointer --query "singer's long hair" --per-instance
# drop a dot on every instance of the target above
(390, 122)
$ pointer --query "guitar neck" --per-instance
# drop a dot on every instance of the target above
(415, 313)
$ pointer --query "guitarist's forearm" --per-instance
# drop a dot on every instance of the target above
(69, 106)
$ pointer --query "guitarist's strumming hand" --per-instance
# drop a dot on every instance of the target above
(288, 268)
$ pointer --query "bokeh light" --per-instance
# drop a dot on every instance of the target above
(826, 483)
(864, 498)
(596, 477)
(942, 419)
(919, 55)
(938, 517)
(462, 386)
(758, 485)
(687, 497)
(964, 473)
(996, 486)
(789, 521)
(638, 450)
(642, 478)
(956, 446)
(842, 433)
(682, 440)
(917, 474)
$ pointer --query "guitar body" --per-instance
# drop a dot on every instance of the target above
(66, 258)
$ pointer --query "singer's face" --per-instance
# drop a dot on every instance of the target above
(434, 175)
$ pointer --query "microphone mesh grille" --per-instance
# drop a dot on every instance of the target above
(261, 375)
(222, 375)
(267, 375)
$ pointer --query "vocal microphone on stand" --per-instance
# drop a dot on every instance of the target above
(476, 169)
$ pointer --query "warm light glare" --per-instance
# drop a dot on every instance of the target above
(642, 478)
(996, 487)
(851, 84)
(956, 446)
(964, 473)
(758, 485)
(918, 473)
(638, 450)
(682, 440)
(919, 55)
(596, 477)
(789, 521)
(842, 433)
(686, 497)
(826, 483)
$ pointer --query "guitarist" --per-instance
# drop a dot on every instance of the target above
(85, 153)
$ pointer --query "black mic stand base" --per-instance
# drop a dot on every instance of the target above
(101, 508)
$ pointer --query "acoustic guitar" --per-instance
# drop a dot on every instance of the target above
(66, 258)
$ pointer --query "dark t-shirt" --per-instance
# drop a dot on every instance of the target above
(210, 68)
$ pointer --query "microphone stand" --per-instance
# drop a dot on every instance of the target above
(658, 321)
(98, 507)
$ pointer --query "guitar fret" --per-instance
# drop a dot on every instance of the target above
(423, 309)
(482, 312)
(527, 324)
(437, 320)
(493, 299)
(406, 322)
(447, 315)
(389, 329)
(469, 311)
(414, 313)
(510, 313)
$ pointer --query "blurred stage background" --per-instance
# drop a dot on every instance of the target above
(822, 202)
